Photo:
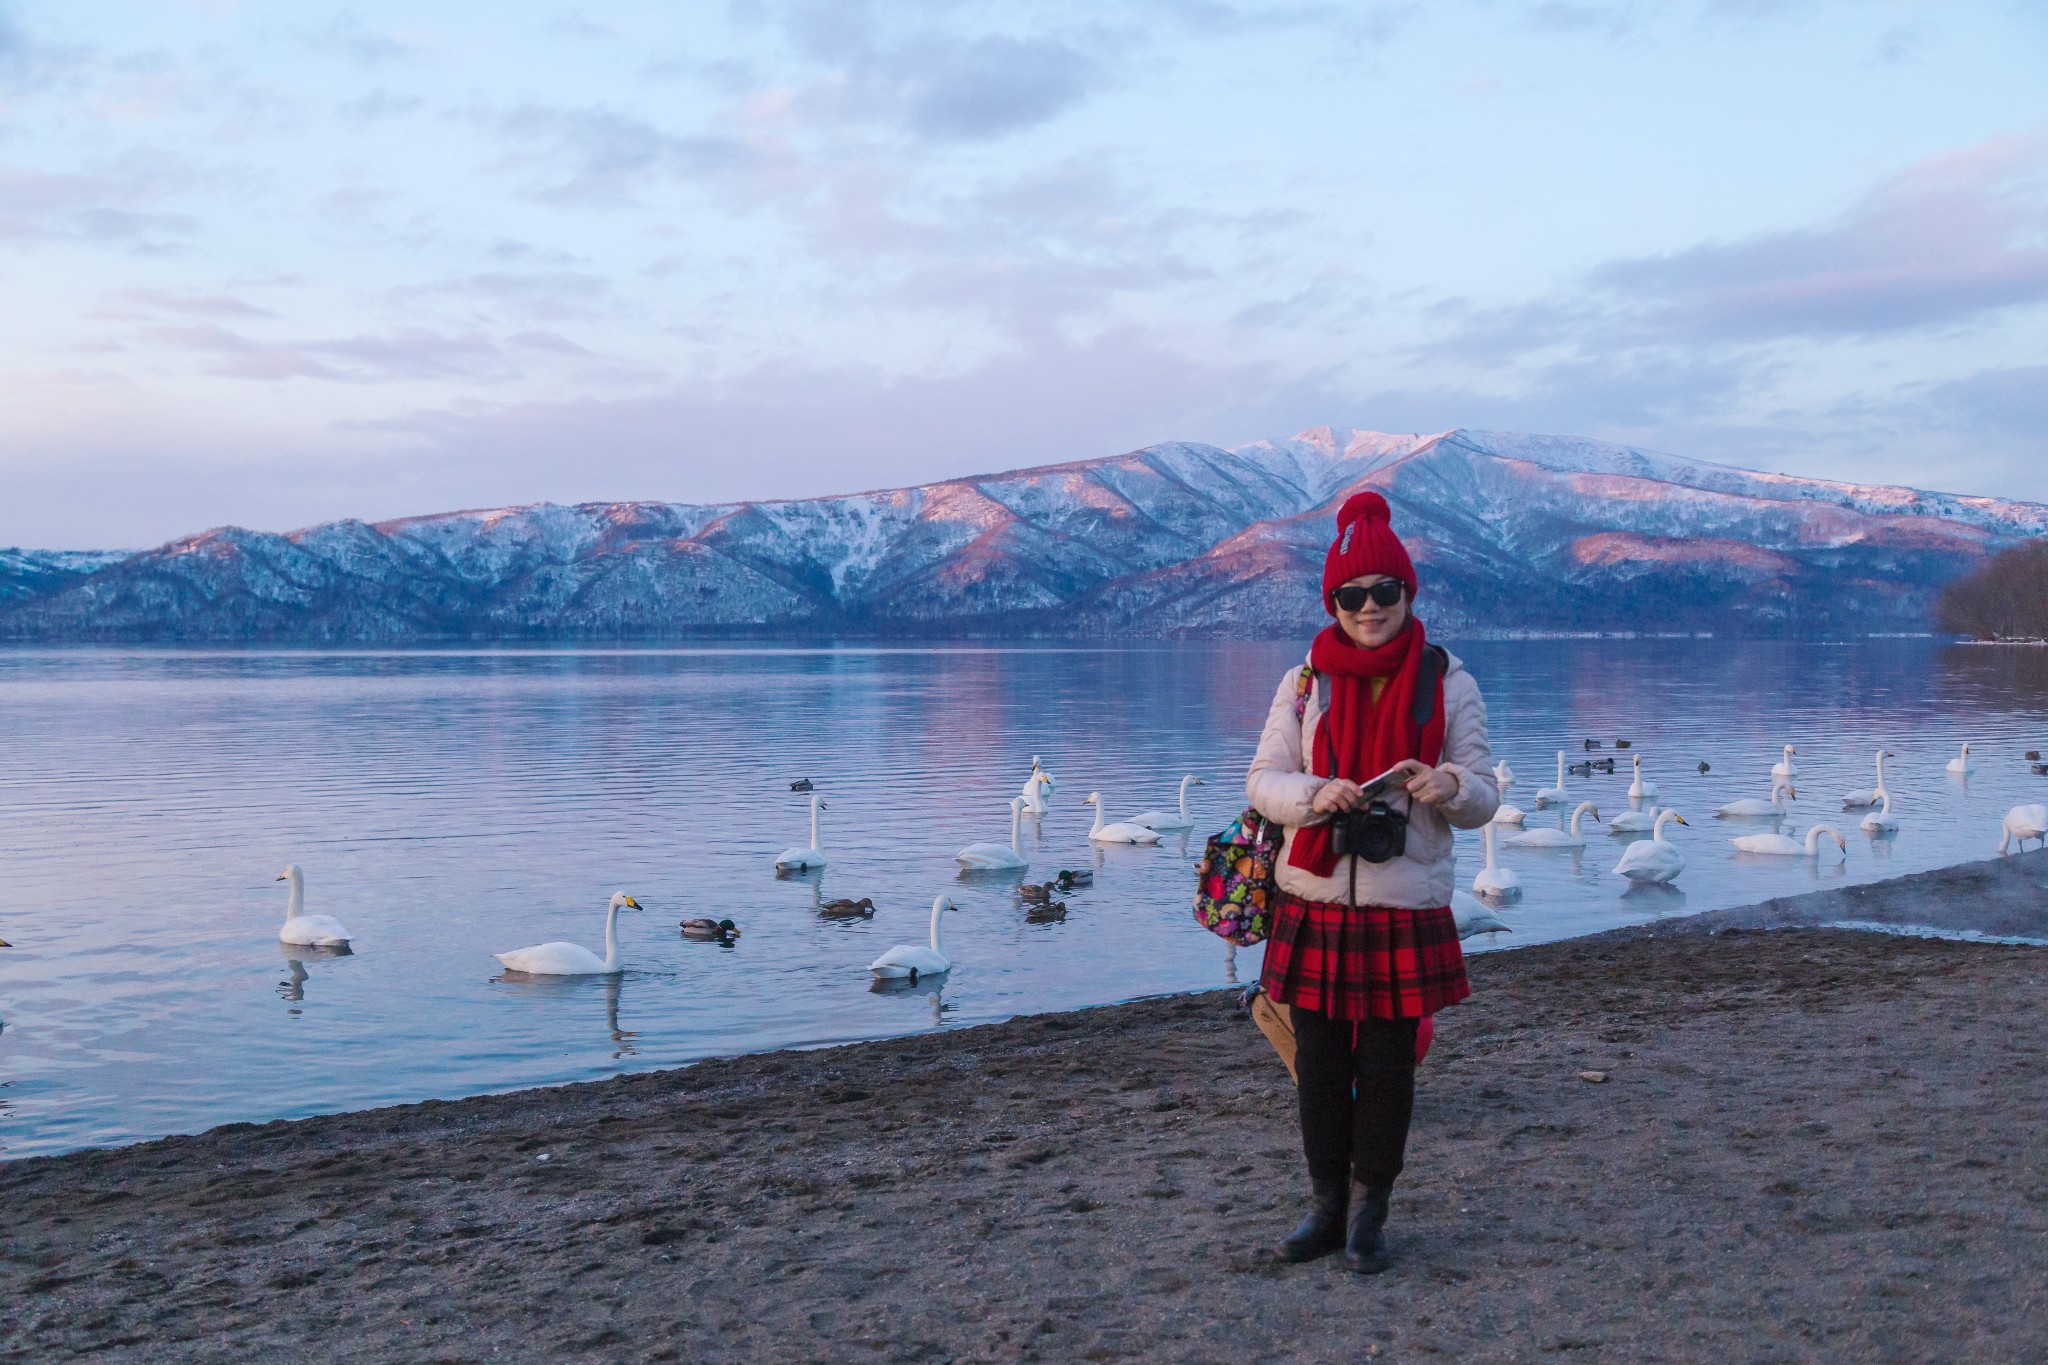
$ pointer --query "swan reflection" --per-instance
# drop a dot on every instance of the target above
(622, 1038)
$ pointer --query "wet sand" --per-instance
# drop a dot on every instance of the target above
(1811, 1144)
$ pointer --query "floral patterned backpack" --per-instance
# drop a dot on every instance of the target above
(1234, 880)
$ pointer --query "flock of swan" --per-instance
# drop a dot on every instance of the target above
(1657, 860)
(910, 961)
(1651, 860)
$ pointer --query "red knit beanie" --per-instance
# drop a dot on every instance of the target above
(1365, 544)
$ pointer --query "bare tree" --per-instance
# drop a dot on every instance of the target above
(2006, 599)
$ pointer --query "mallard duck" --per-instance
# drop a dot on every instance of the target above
(1052, 912)
(1070, 879)
(848, 909)
(802, 784)
(1592, 744)
(1622, 743)
(1705, 767)
(723, 930)
(1038, 892)
(2033, 755)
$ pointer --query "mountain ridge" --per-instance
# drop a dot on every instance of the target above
(1514, 531)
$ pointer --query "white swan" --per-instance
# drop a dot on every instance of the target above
(1784, 767)
(1557, 838)
(303, 930)
(913, 959)
(1654, 859)
(1504, 777)
(573, 959)
(2024, 823)
(1640, 790)
(1494, 880)
(1166, 822)
(1037, 787)
(1880, 821)
(1546, 795)
(1871, 797)
(1475, 917)
(797, 859)
(1783, 846)
(1122, 832)
(1634, 821)
(1961, 765)
(1749, 805)
(997, 857)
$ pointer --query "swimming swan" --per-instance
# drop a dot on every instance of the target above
(1475, 917)
(1749, 805)
(1122, 832)
(303, 930)
(913, 960)
(573, 959)
(997, 857)
(1557, 838)
(1653, 859)
(1871, 797)
(1783, 846)
(1784, 767)
(1166, 822)
(1545, 795)
(1640, 790)
(1493, 880)
(797, 859)
(1037, 787)
(1880, 821)
(2024, 823)
(1504, 777)
(1634, 821)
(1961, 765)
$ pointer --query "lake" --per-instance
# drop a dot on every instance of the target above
(446, 805)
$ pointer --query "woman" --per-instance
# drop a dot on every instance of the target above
(1360, 950)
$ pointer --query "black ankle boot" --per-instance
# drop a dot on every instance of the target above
(1365, 1250)
(1322, 1232)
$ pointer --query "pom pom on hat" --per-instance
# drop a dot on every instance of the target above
(1365, 544)
(1366, 506)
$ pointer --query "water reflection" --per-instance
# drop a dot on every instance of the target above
(622, 1038)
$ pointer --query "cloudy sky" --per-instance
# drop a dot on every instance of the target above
(274, 263)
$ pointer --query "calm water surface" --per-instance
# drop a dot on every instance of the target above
(449, 805)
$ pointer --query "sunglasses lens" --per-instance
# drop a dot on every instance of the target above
(1352, 597)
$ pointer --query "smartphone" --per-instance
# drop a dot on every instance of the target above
(1392, 778)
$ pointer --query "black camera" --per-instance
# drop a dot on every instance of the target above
(1372, 833)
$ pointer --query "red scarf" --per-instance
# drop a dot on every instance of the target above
(1368, 737)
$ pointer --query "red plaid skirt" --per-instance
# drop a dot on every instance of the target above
(1363, 962)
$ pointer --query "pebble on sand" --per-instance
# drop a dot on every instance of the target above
(1595, 1077)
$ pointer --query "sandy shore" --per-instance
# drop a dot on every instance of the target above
(1812, 1145)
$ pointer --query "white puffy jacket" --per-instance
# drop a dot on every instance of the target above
(1280, 787)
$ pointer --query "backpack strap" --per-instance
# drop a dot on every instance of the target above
(1309, 681)
(1436, 665)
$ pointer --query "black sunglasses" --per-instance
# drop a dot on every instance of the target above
(1386, 592)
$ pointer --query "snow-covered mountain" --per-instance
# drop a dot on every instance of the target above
(1511, 532)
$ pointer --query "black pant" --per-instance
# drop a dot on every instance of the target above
(1357, 1089)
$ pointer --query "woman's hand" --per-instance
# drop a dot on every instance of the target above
(1335, 795)
(1430, 786)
